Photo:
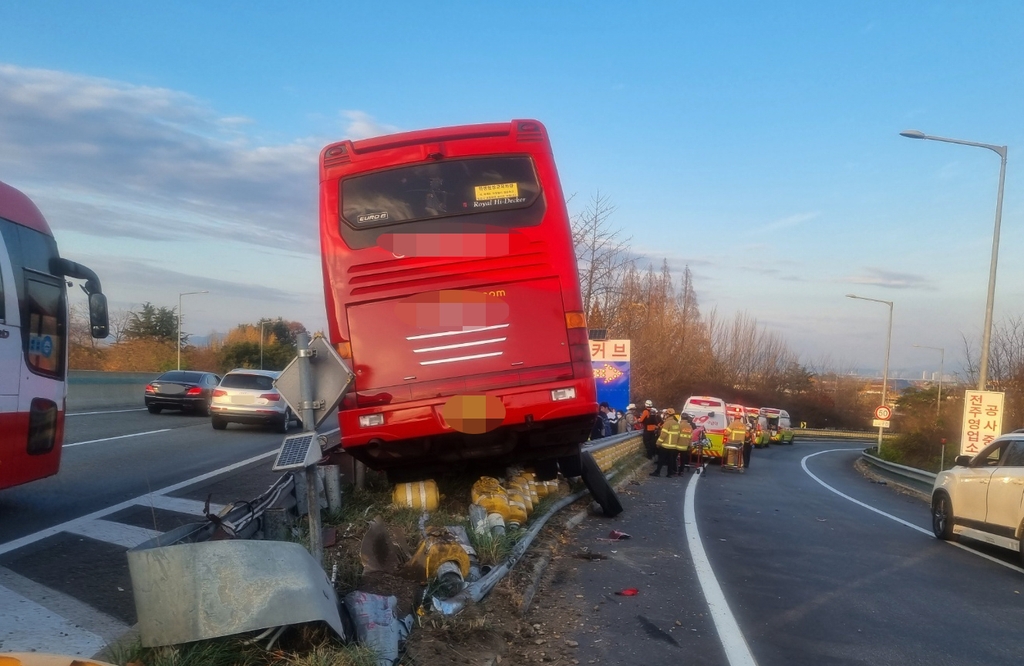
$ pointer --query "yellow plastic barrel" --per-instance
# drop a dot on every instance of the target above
(417, 495)
(485, 485)
(521, 494)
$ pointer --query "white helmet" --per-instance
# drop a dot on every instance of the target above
(648, 403)
(631, 406)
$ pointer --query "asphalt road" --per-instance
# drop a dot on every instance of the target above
(126, 475)
(808, 576)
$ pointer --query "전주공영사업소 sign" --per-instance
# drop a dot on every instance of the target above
(983, 420)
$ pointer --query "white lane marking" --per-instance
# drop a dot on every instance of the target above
(118, 534)
(736, 649)
(81, 615)
(142, 499)
(803, 463)
(112, 411)
(110, 439)
(25, 625)
(180, 505)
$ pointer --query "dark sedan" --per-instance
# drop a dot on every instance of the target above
(181, 389)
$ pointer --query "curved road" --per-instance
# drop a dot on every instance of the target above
(806, 575)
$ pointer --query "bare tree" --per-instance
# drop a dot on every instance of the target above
(601, 252)
(119, 322)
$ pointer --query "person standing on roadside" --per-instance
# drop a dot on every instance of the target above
(630, 417)
(613, 421)
(669, 444)
(600, 428)
(650, 421)
(623, 427)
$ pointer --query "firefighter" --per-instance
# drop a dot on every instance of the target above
(650, 421)
(669, 444)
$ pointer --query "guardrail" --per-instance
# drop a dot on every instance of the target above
(919, 475)
(841, 434)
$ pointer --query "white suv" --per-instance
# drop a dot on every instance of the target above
(249, 396)
(982, 498)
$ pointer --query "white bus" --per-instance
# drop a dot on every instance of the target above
(34, 339)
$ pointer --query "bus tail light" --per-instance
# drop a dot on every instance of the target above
(42, 426)
(575, 320)
(563, 394)
(344, 350)
(370, 420)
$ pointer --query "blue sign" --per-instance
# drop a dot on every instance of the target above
(40, 345)
(612, 379)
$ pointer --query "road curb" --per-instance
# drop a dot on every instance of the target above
(869, 472)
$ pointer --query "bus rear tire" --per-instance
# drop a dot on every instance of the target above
(546, 470)
(599, 488)
(571, 466)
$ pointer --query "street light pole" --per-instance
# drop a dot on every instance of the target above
(942, 363)
(184, 293)
(885, 371)
(986, 336)
(261, 343)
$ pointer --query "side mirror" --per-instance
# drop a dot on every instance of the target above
(98, 321)
(962, 461)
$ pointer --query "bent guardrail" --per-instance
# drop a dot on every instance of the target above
(919, 475)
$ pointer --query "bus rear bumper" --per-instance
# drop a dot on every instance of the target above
(415, 434)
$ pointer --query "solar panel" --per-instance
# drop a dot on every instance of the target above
(297, 452)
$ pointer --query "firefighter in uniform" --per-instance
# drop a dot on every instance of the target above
(669, 444)
(650, 421)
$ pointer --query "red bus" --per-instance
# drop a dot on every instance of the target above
(451, 287)
(34, 339)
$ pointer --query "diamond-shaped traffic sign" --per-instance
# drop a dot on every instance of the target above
(331, 379)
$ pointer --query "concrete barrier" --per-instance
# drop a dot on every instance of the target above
(90, 389)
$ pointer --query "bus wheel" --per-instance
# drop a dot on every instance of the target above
(546, 470)
(154, 409)
(599, 488)
(570, 466)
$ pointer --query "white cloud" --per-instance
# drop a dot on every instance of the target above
(891, 279)
(361, 125)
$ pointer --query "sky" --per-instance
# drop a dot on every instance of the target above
(173, 146)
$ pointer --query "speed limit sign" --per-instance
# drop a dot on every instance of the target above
(883, 412)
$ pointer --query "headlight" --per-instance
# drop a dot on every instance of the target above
(563, 394)
(370, 420)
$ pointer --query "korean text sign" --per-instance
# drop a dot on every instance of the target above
(983, 420)
(610, 359)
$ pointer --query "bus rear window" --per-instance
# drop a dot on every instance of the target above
(439, 189)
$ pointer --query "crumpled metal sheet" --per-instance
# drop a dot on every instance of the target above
(193, 591)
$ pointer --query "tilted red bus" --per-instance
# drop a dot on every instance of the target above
(34, 339)
(451, 287)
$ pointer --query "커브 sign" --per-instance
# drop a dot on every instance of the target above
(983, 420)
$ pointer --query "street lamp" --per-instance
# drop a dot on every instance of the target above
(885, 371)
(262, 322)
(986, 335)
(942, 363)
(184, 293)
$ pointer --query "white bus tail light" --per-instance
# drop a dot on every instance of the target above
(563, 394)
(370, 420)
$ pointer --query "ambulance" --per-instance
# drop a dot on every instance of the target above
(710, 413)
(778, 426)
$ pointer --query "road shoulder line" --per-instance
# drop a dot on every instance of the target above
(66, 526)
(803, 463)
(737, 651)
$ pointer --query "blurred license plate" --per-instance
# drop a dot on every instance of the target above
(242, 400)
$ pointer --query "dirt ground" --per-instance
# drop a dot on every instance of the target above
(494, 631)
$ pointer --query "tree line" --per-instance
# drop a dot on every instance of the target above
(146, 339)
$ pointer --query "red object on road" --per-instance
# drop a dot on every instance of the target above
(616, 535)
(628, 592)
